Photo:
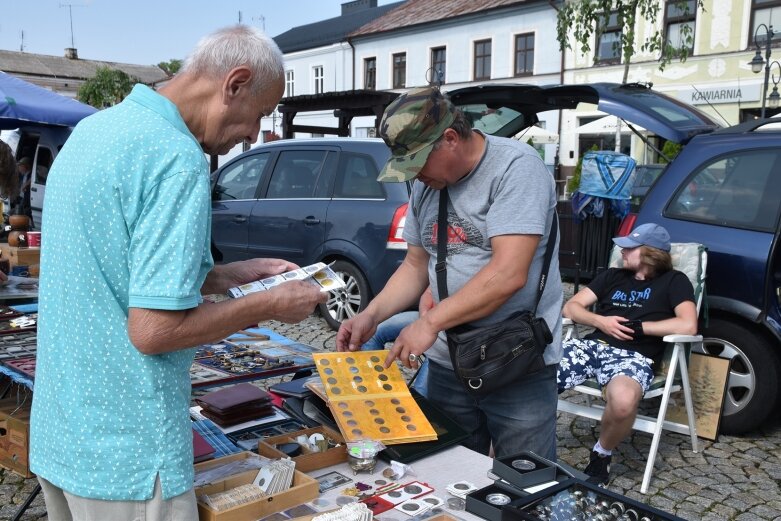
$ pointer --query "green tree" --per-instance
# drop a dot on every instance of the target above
(669, 151)
(108, 87)
(170, 67)
(585, 21)
(574, 183)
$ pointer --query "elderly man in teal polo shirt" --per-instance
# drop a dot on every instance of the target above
(126, 259)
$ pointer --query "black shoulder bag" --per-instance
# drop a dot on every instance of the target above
(487, 358)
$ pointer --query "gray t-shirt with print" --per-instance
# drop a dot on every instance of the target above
(510, 191)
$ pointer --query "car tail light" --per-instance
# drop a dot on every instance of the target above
(626, 225)
(395, 241)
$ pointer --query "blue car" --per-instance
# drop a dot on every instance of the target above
(722, 190)
(314, 200)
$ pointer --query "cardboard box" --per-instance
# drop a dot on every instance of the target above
(21, 256)
(303, 489)
(307, 461)
(15, 436)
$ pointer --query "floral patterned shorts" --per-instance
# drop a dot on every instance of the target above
(584, 359)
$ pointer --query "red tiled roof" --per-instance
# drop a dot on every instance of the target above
(415, 12)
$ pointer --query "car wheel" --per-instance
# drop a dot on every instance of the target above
(753, 380)
(349, 301)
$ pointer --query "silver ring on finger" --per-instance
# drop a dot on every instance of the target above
(413, 357)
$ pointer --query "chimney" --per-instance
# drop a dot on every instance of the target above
(357, 5)
(71, 53)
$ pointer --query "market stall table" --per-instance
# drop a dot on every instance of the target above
(286, 356)
(438, 471)
(252, 354)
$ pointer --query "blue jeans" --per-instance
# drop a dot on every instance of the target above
(521, 416)
(387, 332)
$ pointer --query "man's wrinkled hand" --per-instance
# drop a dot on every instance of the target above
(243, 272)
(295, 300)
(414, 339)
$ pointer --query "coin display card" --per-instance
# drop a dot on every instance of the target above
(377, 505)
(409, 491)
(461, 488)
(524, 469)
(369, 401)
(319, 274)
(413, 507)
(433, 501)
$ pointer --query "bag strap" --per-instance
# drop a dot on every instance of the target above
(441, 265)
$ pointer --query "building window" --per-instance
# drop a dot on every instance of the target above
(438, 65)
(766, 12)
(609, 39)
(318, 74)
(679, 17)
(524, 54)
(370, 73)
(290, 80)
(400, 70)
(482, 60)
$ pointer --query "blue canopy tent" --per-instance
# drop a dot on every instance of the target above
(22, 103)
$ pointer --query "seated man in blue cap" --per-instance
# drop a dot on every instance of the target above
(636, 306)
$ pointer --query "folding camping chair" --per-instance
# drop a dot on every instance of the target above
(672, 373)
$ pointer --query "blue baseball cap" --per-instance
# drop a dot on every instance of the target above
(649, 234)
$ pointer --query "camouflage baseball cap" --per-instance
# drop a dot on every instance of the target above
(410, 127)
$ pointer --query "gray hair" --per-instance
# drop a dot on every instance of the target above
(230, 47)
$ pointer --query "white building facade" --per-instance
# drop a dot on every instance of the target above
(504, 42)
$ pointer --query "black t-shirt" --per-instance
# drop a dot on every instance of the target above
(619, 293)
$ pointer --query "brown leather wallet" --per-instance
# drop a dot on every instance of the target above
(238, 417)
(237, 398)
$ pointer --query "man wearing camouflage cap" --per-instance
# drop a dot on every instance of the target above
(501, 205)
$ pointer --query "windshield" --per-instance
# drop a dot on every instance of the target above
(492, 121)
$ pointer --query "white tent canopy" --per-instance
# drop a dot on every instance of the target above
(539, 136)
(606, 125)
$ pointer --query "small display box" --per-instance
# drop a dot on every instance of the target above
(489, 501)
(576, 499)
(307, 461)
(525, 469)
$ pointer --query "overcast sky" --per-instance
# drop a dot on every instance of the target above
(144, 32)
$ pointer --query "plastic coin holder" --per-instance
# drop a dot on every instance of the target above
(523, 464)
(498, 499)
(577, 500)
(412, 507)
(455, 503)
(406, 492)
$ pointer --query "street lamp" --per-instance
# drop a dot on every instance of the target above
(775, 98)
(757, 62)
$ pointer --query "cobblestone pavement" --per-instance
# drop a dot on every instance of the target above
(737, 477)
